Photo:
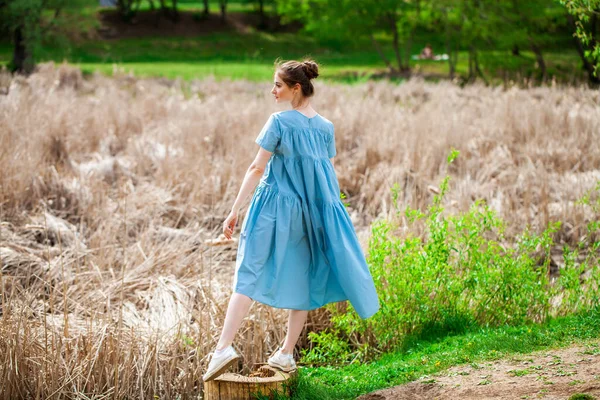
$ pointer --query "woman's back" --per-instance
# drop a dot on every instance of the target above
(300, 165)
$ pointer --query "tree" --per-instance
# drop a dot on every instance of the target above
(583, 16)
(128, 8)
(27, 21)
(169, 9)
(259, 6)
(527, 25)
(478, 25)
(351, 20)
(223, 7)
(447, 19)
(509, 25)
(468, 24)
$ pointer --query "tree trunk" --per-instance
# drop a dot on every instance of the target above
(170, 12)
(474, 68)
(223, 4)
(126, 9)
(539, 57)
(206, 11)
(407, 52)
(175, 12)
(382, 54)
(480, 72)
(478, 67)
(587, 65)
(396, 41)
(155, 13)
(452, 52)
(452, 57)
(594, 25)
(261, 12)
(22, 61)
(163, 8)
(471, 76)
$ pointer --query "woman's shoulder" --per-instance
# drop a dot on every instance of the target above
(293, 117)
(328, 122)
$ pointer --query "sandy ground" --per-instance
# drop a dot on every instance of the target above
(549, 374)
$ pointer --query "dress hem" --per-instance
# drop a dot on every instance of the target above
(262, 300)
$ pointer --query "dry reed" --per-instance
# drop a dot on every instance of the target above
(110, 187)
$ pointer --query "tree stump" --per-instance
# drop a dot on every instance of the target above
(266, 381)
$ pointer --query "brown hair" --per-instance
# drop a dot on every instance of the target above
(302, 72)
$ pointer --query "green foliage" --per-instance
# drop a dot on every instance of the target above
(26, 21)
(128, 8)
(329, 346)
(348, 20)
(581, 396)
(342, 197)
(503, 30)
(342, 37)
(584, 10)
(461, 272)
(588, 199)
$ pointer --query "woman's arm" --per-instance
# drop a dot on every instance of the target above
(253, 174)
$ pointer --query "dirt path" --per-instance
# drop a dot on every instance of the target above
(548, 374)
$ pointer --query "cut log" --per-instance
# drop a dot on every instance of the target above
(266, 381)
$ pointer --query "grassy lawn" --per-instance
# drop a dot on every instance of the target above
(229, 55)
(234, 56)
(437, 354)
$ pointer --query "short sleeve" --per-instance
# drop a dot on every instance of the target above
(269, 136)
(331, 145)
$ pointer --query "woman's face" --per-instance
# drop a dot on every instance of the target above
(281, 91)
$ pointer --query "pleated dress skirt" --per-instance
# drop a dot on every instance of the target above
(298, 248)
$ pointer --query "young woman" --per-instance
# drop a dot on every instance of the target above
(298, 248)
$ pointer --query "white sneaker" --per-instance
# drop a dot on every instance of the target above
(220, 362)
(284, 362)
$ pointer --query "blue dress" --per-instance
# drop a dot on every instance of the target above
(298, 248)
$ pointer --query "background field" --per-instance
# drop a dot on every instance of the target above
(112, 185)
(477, 206)
(95, 38)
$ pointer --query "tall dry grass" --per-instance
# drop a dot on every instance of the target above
(110, 187)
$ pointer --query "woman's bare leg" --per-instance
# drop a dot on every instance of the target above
(296, 322)
(237, 309)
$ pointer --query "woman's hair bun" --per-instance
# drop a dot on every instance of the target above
(311, 69)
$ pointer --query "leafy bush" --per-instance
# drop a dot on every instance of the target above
(461, 272)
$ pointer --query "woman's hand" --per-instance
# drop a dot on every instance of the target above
(229, 224)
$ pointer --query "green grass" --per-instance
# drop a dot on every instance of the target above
(224, 55)
(438, 354)
(220, 71)
(228, 55)
(234, 56)
(488, 300)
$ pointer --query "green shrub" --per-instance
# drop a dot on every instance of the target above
(460, 272)
(582, 396)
